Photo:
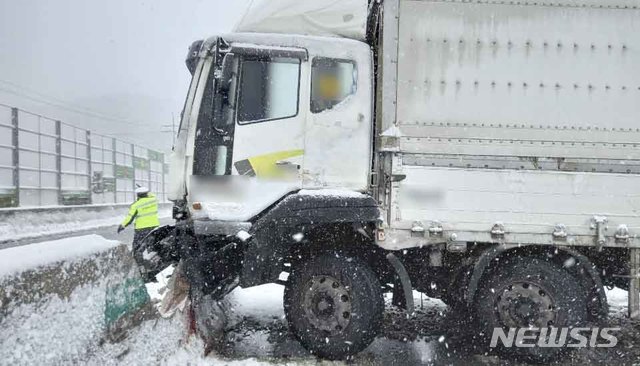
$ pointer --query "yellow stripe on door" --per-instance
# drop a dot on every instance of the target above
(265, 166)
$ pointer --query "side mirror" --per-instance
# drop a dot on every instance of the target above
(228, 69)
(192, 56)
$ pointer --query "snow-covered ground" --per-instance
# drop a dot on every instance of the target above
(55, 330)
(164, 341)
(257, 333)
(618, 301)
(70, 330)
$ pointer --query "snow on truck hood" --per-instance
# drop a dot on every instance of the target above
(340, 18)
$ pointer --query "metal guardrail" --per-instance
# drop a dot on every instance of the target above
(8, 212)
(25, 225)
(46, 162)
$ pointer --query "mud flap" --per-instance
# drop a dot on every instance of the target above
(402, 288)
(127, 304)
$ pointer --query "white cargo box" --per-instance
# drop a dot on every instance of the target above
(519, 122)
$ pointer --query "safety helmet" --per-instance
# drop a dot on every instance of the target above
(142, 190)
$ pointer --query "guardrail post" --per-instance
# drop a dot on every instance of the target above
(40, 189)
(133, 167)
(149, 171)
(114, 154)
(634, 283)
(89, 168)
(15, 138)
(59, 161)
(163, 188)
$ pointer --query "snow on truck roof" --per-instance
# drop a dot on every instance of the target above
(336, 18)
(311, 43)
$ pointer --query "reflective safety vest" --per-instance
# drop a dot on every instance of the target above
(145, 213)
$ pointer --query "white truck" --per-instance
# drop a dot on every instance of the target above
(483, 152)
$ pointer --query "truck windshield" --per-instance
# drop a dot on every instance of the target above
(190, 90)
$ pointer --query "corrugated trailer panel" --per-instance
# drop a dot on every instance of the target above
(497, 63)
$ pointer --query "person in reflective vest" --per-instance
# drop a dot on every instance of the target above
(144, 214)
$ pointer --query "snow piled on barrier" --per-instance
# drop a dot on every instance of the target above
(55, 330)
(53, 297)
(19, 259)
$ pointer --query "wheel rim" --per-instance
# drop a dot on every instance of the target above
(327, 304)
(525, 304)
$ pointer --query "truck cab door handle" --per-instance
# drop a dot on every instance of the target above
(286, 163)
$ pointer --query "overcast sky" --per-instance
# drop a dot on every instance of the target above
(120, 58)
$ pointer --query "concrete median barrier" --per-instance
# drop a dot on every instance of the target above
(60, 300)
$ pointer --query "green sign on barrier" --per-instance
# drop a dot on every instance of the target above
(156, 156)
(8, 198)
(124, 172)
(124, 299)
(109, 184)
(72, 198)
(140, 163)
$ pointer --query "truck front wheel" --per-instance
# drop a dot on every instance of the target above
(334, 305)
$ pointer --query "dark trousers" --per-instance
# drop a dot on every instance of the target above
(137, 243)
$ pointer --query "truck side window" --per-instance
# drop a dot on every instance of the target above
(268, 90)
(332, 82)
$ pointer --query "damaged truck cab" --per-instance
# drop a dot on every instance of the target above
(264, 128)
(467, 150)
(271, 168)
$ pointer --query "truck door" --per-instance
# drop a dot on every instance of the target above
(339, 128)
(270, 121)
(264, 154)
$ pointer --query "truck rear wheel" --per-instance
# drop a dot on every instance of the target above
(530, 292)
(334, 305)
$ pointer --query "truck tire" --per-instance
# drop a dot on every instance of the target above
(334, 305)
(530, 292)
